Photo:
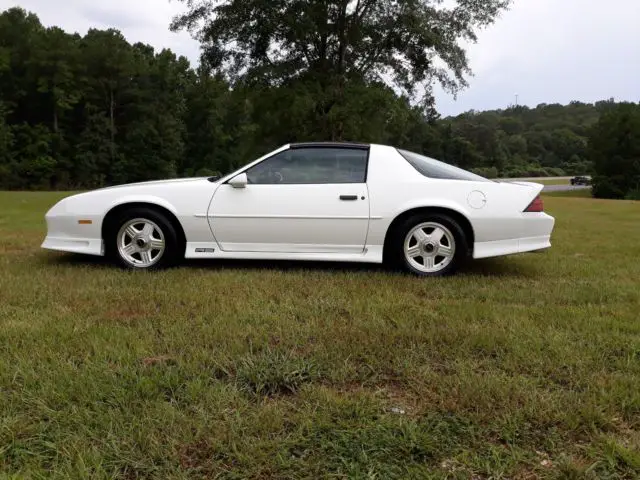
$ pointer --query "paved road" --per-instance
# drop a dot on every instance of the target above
(537, 179)
(564, 188)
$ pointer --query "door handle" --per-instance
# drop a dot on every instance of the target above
(348, 197)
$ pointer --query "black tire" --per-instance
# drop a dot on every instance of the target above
(396, 245)
(172, 248)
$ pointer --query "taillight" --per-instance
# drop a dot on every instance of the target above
(535, 206)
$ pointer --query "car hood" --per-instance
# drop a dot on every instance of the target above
(157, 189)
(172, 181)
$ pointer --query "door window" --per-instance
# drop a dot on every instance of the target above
(311, 166)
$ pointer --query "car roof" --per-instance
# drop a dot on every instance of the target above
(354, 145)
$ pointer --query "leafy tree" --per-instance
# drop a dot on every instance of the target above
(87, 111)
(511, 125)
(326, 47)
(517, 145)
(32, 152)
(6, 148)
(18, 30)
(52, 70)
(109, 61)
(93, 150)
(522, 141)
(150, 120)
(614, 148)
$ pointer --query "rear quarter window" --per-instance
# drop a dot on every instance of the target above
(432, 168)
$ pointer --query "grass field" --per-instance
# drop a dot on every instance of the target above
(522, 367)
(579, 193)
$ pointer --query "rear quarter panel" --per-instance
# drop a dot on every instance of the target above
(494, 209)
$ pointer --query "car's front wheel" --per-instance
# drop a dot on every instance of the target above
(430, 245)
(142, 238)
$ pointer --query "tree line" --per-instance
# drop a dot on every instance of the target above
(88, 111)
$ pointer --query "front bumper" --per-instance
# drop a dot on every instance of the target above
(89, 246)
(65, 233)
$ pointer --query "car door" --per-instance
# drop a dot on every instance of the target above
(300, 200)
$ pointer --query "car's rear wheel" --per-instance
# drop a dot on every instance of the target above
(142, 239)
(429, 245)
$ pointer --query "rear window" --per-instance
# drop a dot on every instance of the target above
(432, 168)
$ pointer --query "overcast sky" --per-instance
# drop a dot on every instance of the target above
(546, 51)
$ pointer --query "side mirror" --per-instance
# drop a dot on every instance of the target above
(239, 181)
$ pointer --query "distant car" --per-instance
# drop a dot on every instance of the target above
(310, 201)
(581, 180)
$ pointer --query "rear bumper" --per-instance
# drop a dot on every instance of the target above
(536, 235)
(511, 247)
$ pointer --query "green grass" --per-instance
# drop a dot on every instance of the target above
(581, 193)
(522, 367)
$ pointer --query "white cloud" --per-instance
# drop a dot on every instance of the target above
(545, 50)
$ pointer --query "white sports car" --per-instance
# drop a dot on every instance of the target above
(310, 201)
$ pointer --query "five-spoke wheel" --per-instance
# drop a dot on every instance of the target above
(428, 244)
(429, 247)
(141, 242)
(142, 238)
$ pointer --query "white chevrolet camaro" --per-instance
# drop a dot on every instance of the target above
(310, 201)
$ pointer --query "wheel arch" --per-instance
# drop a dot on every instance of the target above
(463, 221)
(112, 215)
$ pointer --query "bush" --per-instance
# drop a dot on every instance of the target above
(487, 172)
(206, 172)
(614, 148)
(633, 194)
(555, 172)
(607, 187)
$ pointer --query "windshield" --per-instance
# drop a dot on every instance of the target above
(432, 168)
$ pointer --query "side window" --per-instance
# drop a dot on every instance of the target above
(311, 166)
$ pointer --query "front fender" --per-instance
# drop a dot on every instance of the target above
(140, 198)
